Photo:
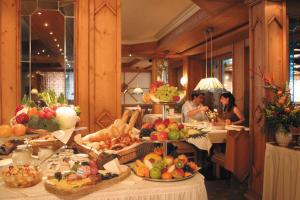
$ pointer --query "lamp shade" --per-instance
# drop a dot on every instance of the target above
(138, 91)
(209, 84)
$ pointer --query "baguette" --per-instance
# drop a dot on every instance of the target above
(132, 121)
(125, 116)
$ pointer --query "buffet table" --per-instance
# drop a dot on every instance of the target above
(281, 173)
(133, 188)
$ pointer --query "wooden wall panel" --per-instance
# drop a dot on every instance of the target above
(196, 72)
(267, 34)
(98, 60)
(9, 59)
(239, 73)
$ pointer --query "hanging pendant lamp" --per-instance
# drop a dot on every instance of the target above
(209, 83)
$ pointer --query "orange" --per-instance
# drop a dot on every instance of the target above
(19, 130)
(166, 176)
(5, 131)
(32, 111)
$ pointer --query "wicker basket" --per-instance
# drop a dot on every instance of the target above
(125, 155)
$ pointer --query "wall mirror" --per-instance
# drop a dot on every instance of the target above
(47, 53)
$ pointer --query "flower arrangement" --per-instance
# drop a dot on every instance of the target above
(279, 112)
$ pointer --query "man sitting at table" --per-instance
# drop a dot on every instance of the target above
(194, 109)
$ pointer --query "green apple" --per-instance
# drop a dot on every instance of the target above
(155, 173)
(174, 135)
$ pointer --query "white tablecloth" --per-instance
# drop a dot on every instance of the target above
(150, 118)
(132, 188)
(281, 173)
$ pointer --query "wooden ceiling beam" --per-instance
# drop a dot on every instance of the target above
(214, 7)
(131, 63)
(191, 32)
(142, 50)
(223, 40)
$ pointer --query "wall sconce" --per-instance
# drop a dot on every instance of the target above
(183, 80)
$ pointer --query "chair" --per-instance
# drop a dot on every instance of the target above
(236, 158)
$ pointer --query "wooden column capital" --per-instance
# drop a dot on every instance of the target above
(254, 2)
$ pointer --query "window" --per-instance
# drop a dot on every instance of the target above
(294, 47)
(227, 74)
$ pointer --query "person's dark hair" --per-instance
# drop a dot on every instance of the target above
(231, 102)
(195, 94)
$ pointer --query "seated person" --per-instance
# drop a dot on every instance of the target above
(194, 109)
(230, 112)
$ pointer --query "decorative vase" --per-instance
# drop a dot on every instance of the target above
(283, 138)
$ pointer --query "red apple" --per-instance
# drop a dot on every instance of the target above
(176, 98)
(178, 173)
(161, 136)
(153, 135)
(166, 122)
(180, 126)
(158, 121)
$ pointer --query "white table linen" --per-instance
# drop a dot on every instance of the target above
(150, 118)
(281, 173)
(132, 188)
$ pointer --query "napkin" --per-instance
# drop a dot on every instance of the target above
(63, 135)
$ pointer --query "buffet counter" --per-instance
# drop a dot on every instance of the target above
(133, 188)
(281, 173)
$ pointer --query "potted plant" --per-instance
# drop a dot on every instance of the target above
(279, 113)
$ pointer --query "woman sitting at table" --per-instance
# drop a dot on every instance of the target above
(230, 112)
(194, 109)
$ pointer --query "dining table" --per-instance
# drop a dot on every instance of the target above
(132, 188)
(212, 134)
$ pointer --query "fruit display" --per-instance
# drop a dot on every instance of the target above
(49, 112)
(116, 137)
(162, 130)
(156, 167)
(21, 176)
(162, 92)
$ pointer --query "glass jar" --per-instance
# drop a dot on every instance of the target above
(22, 155)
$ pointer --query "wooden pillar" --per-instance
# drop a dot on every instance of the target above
(196, 71)
(241, 76)
(268, 52)
(9, 59)
(98, 62)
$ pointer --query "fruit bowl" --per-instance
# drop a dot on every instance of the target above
(155, 167)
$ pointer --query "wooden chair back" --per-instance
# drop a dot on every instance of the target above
(238, 153)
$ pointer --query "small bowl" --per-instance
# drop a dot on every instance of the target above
(21, 176)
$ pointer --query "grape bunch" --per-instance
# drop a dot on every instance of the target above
(166, 93)
(145, 132)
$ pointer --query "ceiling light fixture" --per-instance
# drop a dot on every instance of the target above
(211, 83)
(38, 53)
(60, 49)
(48, 55)
(130, 55)
(55, 40)
(43, 50)
(46, 24)
(51, 33)
(39, 13)
(57, 45)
